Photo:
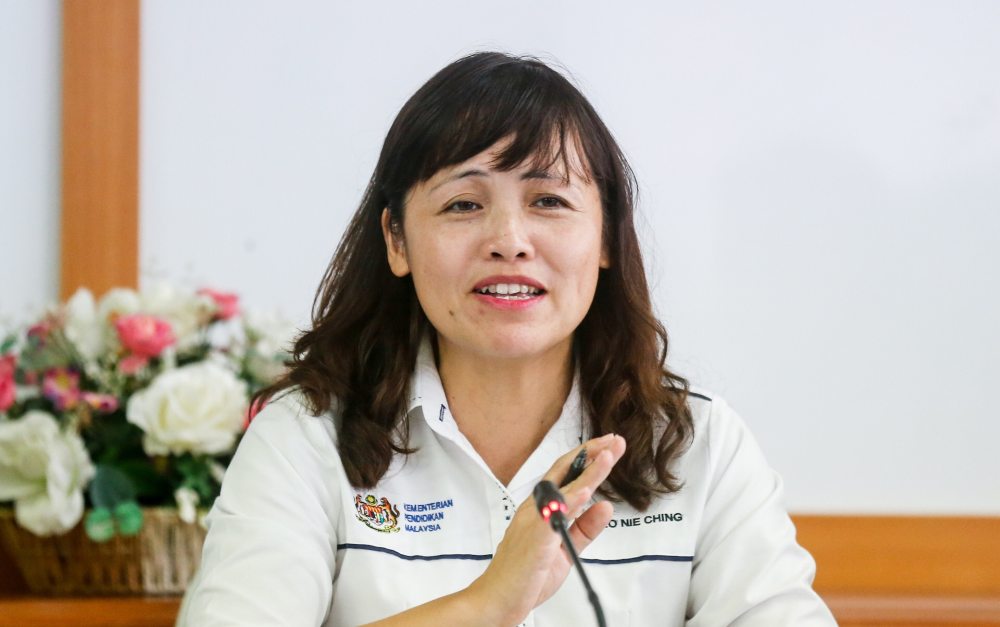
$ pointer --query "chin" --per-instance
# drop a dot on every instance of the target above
(517, 345)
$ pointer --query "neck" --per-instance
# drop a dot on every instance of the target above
(518, 398)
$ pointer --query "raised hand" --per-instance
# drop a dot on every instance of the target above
(529, 564)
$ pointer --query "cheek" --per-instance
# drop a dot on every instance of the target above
(587, 282)
(434, 269)
(579, 257)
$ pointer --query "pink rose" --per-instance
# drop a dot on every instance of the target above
(228, 304)
(61, 386)
(143, 335)
(133, 364)
(7, 365)
(101, 403)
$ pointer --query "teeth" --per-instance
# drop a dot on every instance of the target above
(509, 289)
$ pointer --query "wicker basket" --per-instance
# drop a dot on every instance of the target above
(162, 559)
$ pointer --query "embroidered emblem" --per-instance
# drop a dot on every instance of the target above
(378, 515)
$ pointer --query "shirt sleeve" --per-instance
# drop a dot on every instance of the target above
(268, 557)
(748, 569)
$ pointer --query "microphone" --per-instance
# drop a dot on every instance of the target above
(551, 504)
(552, 507)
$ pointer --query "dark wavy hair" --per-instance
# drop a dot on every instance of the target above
(367, 323)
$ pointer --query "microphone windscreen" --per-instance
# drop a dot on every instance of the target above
(549, 501)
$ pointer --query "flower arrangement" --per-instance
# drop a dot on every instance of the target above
(138, 399)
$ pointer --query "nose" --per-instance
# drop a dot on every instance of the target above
(508, 234)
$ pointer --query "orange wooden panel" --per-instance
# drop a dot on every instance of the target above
(896, 611)
(87, 612)
(100, 145)
(924, 555)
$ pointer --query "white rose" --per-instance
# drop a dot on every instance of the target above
(197, 408)
(43, 470)
(265, 367)
(186, 311)
(118, 302)
(187, 504)
(82, 326)
(270, 337)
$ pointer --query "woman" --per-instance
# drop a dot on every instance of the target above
(485, 319)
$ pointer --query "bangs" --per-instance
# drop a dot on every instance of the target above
(467, 111)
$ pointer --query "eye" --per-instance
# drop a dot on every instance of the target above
(462, 206)
(551, 202)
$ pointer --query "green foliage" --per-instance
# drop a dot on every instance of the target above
(112, 438)
(151, 486)
(128, 518)
(196, 474)
(196, 353)
(7, 344)
(40, 354)
(29, 404)
(98, 524)
(109, 487)
(101, 523)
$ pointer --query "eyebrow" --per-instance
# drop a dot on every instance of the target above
(529, 175)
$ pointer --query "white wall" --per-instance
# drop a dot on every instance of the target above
(29, 157)
(820, 184)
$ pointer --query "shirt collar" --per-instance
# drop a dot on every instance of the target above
(427, 392)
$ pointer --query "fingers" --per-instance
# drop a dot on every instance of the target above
(602, 454)
(578, 492)
(594, 447)
(590, 519)
(590, 525)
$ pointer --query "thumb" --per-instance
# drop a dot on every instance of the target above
(590, 524)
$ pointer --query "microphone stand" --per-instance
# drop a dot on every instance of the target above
(552, 507)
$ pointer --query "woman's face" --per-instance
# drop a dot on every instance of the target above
(505, 264)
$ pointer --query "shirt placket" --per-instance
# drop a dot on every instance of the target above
(502, 508)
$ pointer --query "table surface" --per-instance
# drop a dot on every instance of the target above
(850, 610)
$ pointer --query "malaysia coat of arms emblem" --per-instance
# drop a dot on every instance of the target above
(380, 515)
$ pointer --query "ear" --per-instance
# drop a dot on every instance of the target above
(605, 262)
(395, 251)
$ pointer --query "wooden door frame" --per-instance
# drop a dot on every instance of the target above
(99, 234)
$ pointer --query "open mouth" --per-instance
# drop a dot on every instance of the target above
(510, 291)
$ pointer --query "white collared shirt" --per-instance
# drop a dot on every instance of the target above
(291, 542)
